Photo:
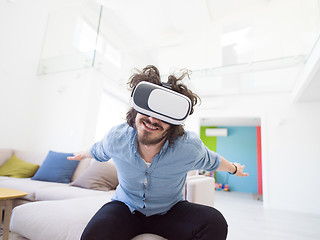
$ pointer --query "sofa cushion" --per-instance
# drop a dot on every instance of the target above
(26, 185)
(82, 166)
(16, 167)
(67, 192)
(56, 168)
(55, 220)
(59, 220)
(98, 176)
(2, 178)
(148, 236)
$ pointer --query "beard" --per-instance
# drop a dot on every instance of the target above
(147, 138)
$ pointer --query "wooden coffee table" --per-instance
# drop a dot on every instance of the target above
(7, 196)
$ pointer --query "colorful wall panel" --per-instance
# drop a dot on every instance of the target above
(239, 146)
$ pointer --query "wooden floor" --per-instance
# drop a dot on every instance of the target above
(249, 220)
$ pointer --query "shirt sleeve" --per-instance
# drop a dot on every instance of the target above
(100, 150)
(205, 159)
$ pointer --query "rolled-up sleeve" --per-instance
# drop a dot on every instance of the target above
(99, 152)
(205, 158)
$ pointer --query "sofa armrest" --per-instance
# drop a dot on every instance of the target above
(200, 189)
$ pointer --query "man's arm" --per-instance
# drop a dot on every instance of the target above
(227, 166)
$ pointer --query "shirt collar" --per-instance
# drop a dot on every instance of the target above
(165, 146)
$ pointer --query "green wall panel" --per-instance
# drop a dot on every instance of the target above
(210, 142)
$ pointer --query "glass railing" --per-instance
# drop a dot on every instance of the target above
(71, 37)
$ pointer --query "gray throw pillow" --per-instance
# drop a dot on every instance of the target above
(98, 176)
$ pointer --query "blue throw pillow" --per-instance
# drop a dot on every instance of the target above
(56, 168)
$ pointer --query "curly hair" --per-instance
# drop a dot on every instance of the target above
(151, 74)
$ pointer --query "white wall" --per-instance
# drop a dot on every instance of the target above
(293, 156)
(112, 111)
(290, 146)
(56, 111)
(68, 104)
(18, 65)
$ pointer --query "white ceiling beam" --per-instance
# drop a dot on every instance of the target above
(308, 78)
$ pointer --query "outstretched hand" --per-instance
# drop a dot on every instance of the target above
(79, 156)
(240, 169)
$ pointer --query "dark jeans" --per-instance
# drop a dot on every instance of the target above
(183, 221)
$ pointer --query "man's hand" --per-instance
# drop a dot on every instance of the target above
(227, 166)
(240, 169)
(80, 156)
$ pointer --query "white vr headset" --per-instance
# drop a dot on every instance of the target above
(161, 102)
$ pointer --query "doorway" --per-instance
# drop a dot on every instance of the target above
(242, 144)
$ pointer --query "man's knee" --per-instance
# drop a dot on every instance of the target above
(96, 230)
(215, 223)
(206, 221)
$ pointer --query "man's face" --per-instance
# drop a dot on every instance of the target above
(150, 130)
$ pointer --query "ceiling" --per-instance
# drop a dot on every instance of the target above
(308, 84)
(231, 46)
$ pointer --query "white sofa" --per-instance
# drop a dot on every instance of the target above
(60, 211)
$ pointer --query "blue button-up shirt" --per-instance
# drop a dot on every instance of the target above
(155, 189)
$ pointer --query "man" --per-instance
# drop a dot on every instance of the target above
(153, 154)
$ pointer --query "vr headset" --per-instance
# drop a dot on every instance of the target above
(161, 102)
